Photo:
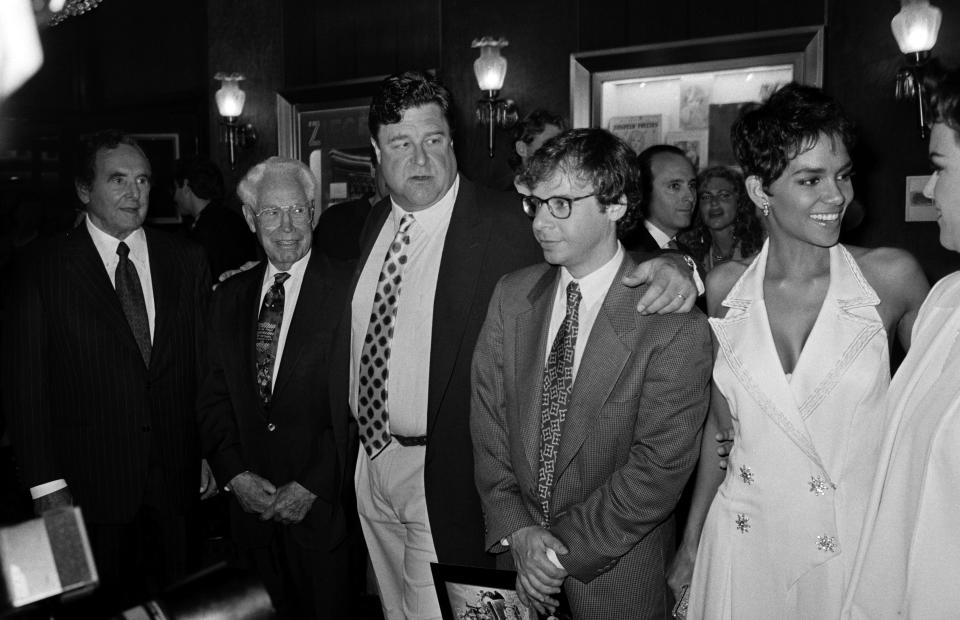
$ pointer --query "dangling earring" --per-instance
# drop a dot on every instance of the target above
(765, 207)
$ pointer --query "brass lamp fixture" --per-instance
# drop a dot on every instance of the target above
(915, 28)
(491, 70)
(233, 132)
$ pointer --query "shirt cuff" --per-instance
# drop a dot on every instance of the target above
(47, 488)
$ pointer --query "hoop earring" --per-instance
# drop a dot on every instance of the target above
(765, 207)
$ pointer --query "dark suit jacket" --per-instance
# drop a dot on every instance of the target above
(639, 238)
(629, 442)
(488, 236)
(80, 403)
(225, 238)
(233, 421)
(339, 228)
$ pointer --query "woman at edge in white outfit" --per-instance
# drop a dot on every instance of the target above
(909, 560)
(780, 537)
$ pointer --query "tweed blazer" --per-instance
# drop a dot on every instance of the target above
(629, 442)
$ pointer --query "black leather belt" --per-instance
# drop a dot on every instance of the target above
(407, 442)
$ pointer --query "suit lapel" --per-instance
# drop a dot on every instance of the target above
(166, 292)
(460, 268)
(604, 358)
(847, 322)
(531, 345)
(302, 324)
(84, 264)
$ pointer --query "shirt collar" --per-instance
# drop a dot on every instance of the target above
(595, 284)
(107, 244)
(433, 217)
(296, 270)
(658, 235)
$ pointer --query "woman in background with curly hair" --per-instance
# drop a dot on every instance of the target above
(725, 224)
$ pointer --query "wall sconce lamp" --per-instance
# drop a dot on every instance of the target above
(915, 27)
(233, 132)
(491, 69)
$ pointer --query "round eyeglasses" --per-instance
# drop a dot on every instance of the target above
(270, 217)
(559, 206)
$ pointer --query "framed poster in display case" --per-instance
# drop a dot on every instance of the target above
(694, 88)
(325, 127)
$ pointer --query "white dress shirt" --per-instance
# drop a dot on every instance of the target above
(593, 290)
(408, 368)
(107, 249)
(658, 235)
(291, 293)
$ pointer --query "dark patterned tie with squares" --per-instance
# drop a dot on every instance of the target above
(268, 332)
(373, 414)
(557, 383)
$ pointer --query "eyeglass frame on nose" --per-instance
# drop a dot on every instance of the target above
(718, 197)
(280, 210)
(552, 205)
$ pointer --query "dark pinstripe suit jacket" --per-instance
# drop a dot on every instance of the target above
(629, 441)
(80, 403)
(234, 422)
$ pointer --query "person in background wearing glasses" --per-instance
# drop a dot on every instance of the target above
(725, 224)
(585, 415)
(263, 410)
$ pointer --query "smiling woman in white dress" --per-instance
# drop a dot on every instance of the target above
(802, 335)
(909, 561)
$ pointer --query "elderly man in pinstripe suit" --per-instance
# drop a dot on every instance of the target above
(586, 416)
(101, 363)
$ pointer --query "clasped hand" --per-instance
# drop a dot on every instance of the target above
(287, 504)
(537, 577)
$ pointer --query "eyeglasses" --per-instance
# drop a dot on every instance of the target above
(270, 217)
(721, 196)
(559, 206)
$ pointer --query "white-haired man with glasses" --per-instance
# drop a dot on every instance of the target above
(263, 407)
(585, 416)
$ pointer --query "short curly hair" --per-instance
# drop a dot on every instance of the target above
(532, 126)
(945, 98)
(402, 91)
(768, 135)
(591, 156)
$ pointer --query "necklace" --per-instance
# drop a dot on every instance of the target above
(720, 257)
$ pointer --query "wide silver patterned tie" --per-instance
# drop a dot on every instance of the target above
(130, 293)
(373, 413)
(557, 383)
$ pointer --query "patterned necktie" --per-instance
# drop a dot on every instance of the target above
(557, 383)
(127, 283)
(372, 410)
(268, 329)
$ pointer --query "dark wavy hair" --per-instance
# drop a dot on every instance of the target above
(403, 91)
(591, 156)
(532, 126)
(944, 89)
(203, 176)
(106, 140)
(768, 135)
(645, 163)
(747, 229)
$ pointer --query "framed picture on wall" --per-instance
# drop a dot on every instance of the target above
(163, 151)
(695, 87)
(325, 127)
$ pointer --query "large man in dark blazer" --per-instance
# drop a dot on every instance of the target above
(266, 422)
(102, 360)
(586, 416)
(450, 240)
